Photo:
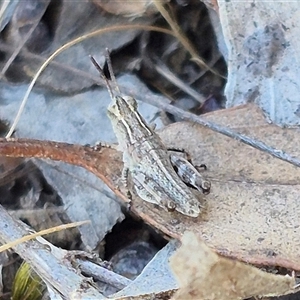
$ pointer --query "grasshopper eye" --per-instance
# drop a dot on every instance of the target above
(131, 101)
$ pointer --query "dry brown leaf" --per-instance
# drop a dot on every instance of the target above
(252, 212)
(203, 274)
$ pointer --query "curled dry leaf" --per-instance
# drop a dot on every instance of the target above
(203, 274)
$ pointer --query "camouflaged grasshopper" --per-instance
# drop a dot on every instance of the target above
(146, 159)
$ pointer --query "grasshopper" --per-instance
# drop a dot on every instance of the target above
(146, 159)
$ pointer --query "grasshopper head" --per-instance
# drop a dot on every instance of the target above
(122, 106)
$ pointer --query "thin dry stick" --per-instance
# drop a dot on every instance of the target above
(102, 274)
(162, 104)
(227, 131)
(68, 45)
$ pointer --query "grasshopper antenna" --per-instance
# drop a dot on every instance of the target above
(102, 75)
(111, 71)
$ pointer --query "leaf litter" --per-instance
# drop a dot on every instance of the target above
(251, 213)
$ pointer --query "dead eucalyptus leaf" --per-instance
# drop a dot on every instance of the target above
(252, 212)
(203, 274)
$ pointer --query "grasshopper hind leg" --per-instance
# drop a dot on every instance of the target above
(189, 174)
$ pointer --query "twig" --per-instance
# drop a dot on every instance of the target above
(103, 274)
(227, 131)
